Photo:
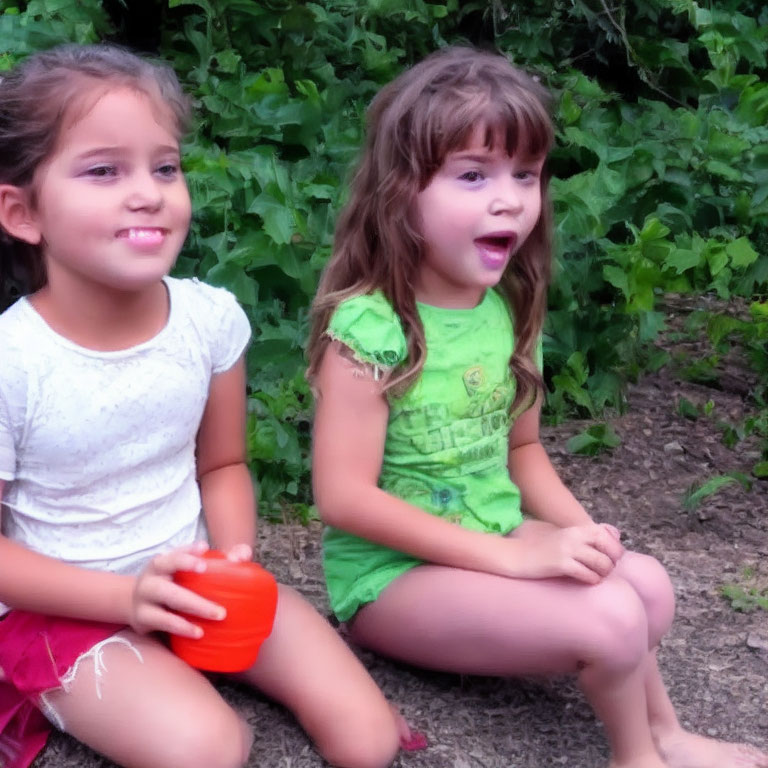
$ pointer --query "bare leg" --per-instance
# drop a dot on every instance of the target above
(478, 623)
(306, 666)
(150, 712)
(682, 749)
(679, 748)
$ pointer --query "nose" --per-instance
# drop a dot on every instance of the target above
(145, 192)
(506, 197)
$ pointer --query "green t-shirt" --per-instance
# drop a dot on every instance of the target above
(447, 436)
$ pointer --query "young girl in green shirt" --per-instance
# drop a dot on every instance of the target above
(425, 355)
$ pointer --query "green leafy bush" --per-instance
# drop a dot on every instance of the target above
(660, 169)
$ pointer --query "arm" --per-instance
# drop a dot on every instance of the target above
(544, 495)
(225, 482)
(350, 430)
(34, 582)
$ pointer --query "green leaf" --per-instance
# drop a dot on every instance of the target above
(279, 222)
(682, 259)
(233, 278)
(596, 439)
(653, 230)
(741, 252)
(719, 168)
(617, 277)
(716, 258)
(687, 409)
(570, 111)
(697, 493)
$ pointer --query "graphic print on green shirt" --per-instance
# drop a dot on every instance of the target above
(447, 436)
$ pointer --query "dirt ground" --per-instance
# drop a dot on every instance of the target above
(715, 660)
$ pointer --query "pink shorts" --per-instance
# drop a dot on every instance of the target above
(36, 653)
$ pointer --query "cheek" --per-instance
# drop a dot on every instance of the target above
(183, 206)
(534, 210)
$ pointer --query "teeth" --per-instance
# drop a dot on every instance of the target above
(143, 234)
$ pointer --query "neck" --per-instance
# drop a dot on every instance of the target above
(450, 299)
(102, 319)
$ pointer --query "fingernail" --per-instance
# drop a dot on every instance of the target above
(198, 633)
(219, 614)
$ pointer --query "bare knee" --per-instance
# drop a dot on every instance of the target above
(650, 580)
(618, 628)
(370, 742)
(223, 741)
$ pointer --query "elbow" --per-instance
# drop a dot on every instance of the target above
(337, 502)
(329, 507)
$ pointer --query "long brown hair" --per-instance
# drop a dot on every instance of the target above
(412, 125)
(38, 98)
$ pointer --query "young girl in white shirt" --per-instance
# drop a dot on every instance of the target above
(122, 452)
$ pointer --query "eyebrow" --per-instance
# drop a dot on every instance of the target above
(472, 157)
(98, 151)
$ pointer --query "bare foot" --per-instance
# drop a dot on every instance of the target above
(645, 761)
(410, 740)
(688, 750)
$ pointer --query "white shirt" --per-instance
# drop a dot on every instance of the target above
(100, 446)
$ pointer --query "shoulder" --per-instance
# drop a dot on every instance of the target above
(371, 328)
(220, 322)
(204, 297)
(15, 330)
(18, 342)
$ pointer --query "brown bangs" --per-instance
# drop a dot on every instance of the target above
(519, 131)
(511, 118)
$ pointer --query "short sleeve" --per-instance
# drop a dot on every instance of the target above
(221, 320)
(233, 337)
(371, 329)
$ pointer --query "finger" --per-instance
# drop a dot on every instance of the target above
(596, 561)
(240, 553)
(576, 570)
(607, 543)
(155, 619)
(613, 530)
(184, 559)
(174, 597)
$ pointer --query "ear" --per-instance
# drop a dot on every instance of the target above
(17, 215)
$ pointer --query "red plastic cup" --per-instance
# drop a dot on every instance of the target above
(249, 595)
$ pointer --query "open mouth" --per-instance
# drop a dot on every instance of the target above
(495, 247)
(500, 242)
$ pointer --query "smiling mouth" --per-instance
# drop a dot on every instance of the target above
(141, 233)
(143, 237)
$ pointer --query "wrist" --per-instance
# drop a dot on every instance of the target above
(507, 556)
(121, 598)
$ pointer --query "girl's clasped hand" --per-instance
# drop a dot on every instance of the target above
(586, 553)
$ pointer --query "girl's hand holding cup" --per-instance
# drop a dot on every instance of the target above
(247, 593)
(160, 605)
